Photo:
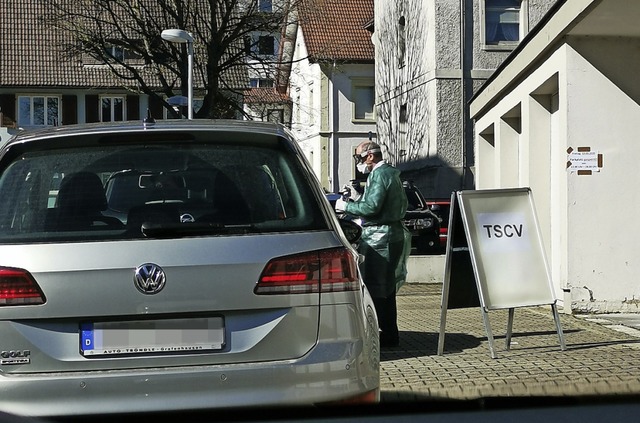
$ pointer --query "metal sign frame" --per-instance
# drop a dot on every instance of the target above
(506, 260)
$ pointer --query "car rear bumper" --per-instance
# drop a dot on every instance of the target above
(330, 372)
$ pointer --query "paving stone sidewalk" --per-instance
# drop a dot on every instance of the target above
(597, 360)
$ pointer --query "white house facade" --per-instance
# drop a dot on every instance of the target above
(561, 117)
(332, 87)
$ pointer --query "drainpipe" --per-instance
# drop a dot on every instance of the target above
(463, 102)
(333, 139)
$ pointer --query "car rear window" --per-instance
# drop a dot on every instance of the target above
(413, 198)
(132, 192)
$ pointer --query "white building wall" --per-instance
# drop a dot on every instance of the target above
(517, 146)
(348, 132)
(322, 117)
(604, 117)
(588, 222)
(305, 92)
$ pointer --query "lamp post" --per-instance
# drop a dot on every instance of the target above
(181, 36)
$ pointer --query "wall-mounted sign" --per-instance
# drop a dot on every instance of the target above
(583, 161)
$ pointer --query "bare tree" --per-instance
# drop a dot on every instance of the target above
(404, 109)
(229, 36)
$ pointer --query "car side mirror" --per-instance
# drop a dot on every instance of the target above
(352, 231)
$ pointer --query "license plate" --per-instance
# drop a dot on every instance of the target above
(152, 336)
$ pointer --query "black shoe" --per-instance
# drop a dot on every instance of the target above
(389, 341)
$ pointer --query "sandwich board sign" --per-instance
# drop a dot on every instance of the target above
(495, 258)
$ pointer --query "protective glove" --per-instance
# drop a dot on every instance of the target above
(352, 193)
(340, 205)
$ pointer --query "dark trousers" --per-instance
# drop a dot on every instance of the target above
(387, 318)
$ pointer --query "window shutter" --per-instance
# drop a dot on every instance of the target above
(155, 106)
(8, 108)
(69, 109)
(91, 110)
(133, 107)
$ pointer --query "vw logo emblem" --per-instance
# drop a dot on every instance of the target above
(187, 218)
(149, 278)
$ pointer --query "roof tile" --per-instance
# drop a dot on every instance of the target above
(265, 95)
(31, 54)
(336, 29)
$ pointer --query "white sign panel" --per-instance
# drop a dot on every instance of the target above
(506, 248)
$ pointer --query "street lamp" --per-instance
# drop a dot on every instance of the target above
(181, 36)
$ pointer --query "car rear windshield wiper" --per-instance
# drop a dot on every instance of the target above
(167, 230)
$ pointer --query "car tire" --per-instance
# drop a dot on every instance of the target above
(427, 245)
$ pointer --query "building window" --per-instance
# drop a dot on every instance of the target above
(266, 45)
(182, 111)
(265, 6)
(116, 52)
(312, 106)
(261, 44)
(112, 109)
(275, 115)
(403, 119)
(113, 52)
(261, 83)
(197, 104)
(296, 107)
(38, 111)
(503, 22)
(402, 42)
(363, 98)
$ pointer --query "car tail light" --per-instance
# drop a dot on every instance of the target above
(17, 287)
(326, 271)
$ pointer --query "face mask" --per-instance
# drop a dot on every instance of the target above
(362, 168)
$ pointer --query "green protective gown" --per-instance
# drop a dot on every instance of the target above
(385, 242)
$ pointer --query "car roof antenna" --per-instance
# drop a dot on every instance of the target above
(149, 119)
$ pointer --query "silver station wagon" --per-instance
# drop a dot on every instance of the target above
(175, 265)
